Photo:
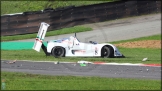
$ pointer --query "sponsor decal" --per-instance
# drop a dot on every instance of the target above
(77, 44)
(96, 50)
(38, 40)
(78, 51)
(69, 42)
(81, 51)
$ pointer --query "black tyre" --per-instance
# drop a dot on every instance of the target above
(107, 52)
(58, 51)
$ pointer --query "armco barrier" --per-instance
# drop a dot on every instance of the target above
(28, 22)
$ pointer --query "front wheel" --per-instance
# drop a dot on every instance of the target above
(107, 52)
(58, 51)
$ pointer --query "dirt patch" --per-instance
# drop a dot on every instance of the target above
(141, 44)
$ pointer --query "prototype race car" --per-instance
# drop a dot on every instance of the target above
(71, 46)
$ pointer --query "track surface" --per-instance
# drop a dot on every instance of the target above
(103, 32)
(75, 69)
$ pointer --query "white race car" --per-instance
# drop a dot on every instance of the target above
(71, 46)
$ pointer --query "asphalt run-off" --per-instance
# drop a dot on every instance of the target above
(119, 70)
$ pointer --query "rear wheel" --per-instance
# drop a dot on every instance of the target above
(58, 51)
(107, 52)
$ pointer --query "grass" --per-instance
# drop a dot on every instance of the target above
(154, 37)
(24, 81)
(8, 7)
(22, 6)
(133, 55)
(74, 29)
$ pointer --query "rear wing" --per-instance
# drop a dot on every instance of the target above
(40, 36)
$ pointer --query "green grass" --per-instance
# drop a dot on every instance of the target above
(74, 29)
(154, 37)
(8, 7)
(24, 81)
(133, 55)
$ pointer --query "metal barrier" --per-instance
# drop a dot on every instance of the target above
(28, 22)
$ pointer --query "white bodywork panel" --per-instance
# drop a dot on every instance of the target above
(40, 36)
(72, 46)
(75, 48)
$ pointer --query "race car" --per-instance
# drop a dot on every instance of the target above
(72, 47)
